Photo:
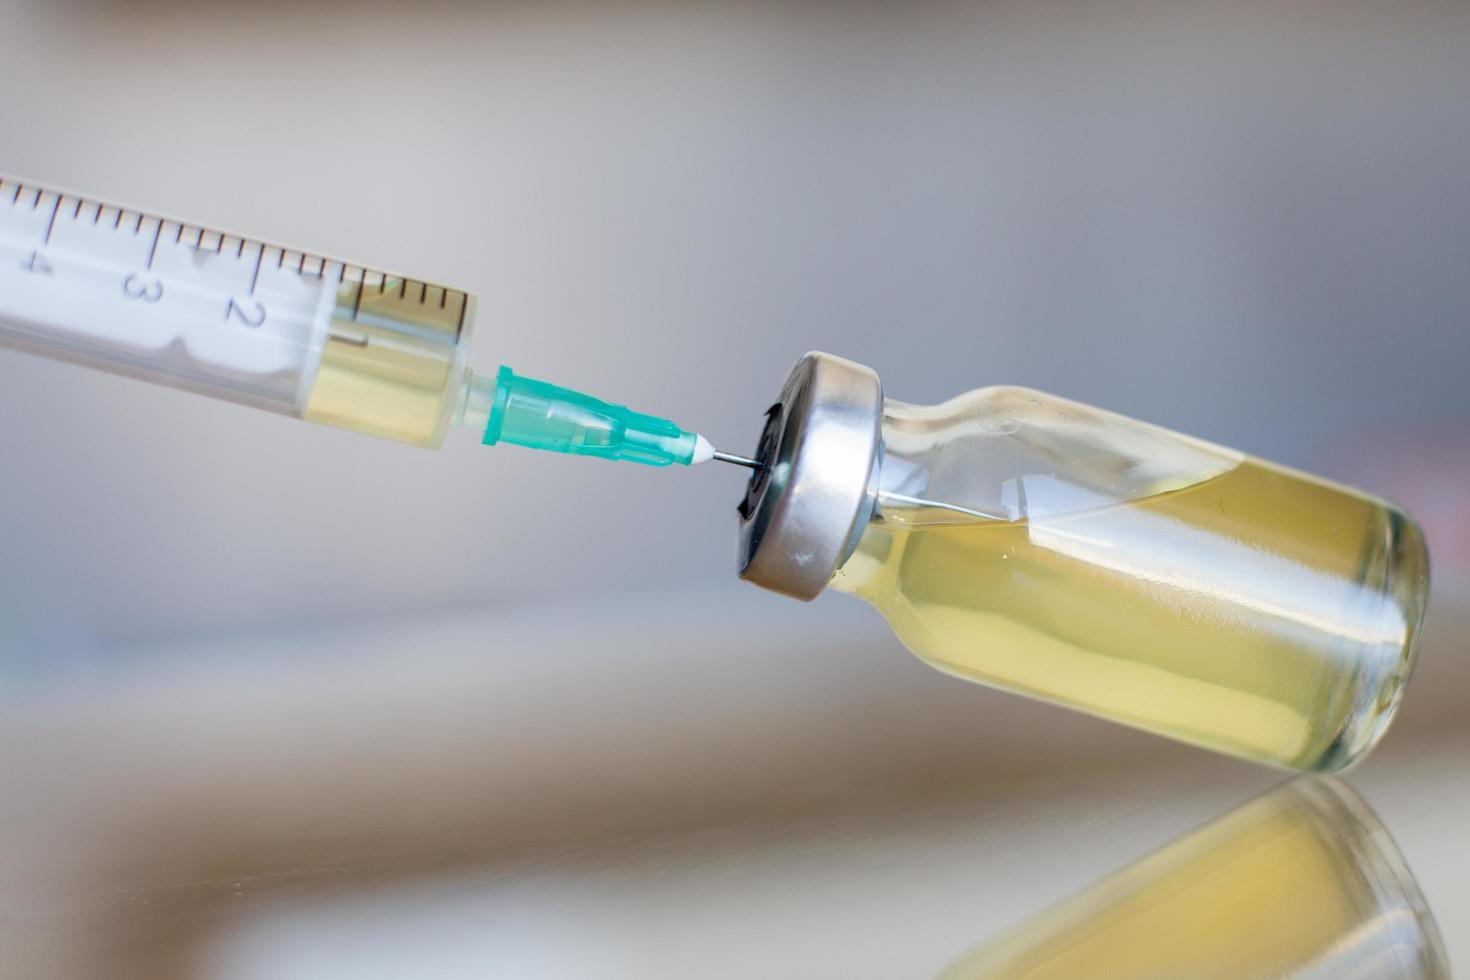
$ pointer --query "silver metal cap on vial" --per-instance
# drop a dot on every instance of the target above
(807, 505)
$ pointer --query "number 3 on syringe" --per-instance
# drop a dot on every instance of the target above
(137, 287)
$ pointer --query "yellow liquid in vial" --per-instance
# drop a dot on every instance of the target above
(1260, 613)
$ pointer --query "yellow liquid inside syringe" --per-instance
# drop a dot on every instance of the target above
(1258, 612)
(393, 360)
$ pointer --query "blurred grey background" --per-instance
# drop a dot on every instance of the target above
(1249, 221)
(281, 701)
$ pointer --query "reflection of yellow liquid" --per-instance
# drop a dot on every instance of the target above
(1302, 881)
(1260, 612)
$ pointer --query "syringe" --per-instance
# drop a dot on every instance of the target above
(286, 330)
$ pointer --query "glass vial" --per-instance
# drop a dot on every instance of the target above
(1051, 549)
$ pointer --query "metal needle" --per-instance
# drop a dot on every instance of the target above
(737, 460)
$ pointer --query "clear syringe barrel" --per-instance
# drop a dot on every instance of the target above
(230, 316)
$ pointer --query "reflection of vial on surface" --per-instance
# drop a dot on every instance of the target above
(1063, 552)
(1301, 882)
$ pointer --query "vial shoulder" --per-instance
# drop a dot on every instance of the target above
(1022, 453)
